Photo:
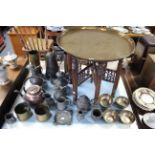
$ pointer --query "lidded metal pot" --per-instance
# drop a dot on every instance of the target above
(33, 94)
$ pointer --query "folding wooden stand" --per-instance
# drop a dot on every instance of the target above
(94, 69)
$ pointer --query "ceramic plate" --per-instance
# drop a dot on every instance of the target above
(149, 120)
(144, 98)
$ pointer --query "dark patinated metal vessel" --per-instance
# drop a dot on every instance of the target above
(51, 65)
(83, 103)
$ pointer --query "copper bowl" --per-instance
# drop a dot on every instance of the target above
(126, 117)
(110, 116)
(105, 100)
(121, 102)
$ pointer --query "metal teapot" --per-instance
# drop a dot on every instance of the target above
(83, 103)
(33, 94)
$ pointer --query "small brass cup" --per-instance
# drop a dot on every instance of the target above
(23, 111)
(42, 113)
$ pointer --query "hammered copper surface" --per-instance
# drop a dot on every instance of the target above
(96, 44)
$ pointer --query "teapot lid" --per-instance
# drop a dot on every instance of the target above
(34, 89)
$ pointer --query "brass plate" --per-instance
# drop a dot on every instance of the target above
(96, 44)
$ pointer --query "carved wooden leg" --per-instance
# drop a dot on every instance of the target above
(97, 80)
(118, 72)
(65, 63)
(75, 77)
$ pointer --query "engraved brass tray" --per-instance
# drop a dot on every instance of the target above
(96, 44)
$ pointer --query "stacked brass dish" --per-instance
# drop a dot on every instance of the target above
(126, 117)
(110, 115)
(121, 102)
(105, 100)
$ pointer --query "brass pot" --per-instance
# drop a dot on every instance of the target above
(110, 116)
(126, 117)
(121, 102)
(42, 113)
(23, 111)
(105, 100)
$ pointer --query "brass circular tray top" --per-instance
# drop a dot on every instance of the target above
(96, 44)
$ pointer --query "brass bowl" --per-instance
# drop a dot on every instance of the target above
(126, 117)
(110, 116)
(23, 111)
(42, 113)
(121, 102)
(105, 100)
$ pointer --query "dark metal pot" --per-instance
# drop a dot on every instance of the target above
(96, 114)
(36, 80)
(49, 101)
(36, 71)
(10, 118)
(83, 103)
(51, 65)
(59, 94)
(80, 115)
(60, 82)
(63, 103)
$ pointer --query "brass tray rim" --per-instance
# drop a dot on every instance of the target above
(123, 35)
